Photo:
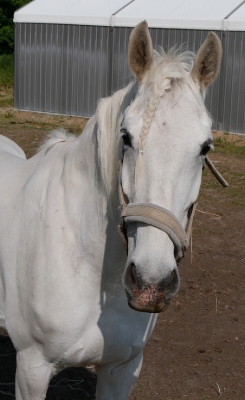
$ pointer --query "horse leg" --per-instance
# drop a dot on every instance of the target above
(115, 382)
(33, 374)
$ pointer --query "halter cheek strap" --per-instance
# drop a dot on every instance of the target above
(159, 217)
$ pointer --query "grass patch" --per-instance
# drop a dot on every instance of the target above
(8, 114)
(7, 70)
(6, 80)
(230, 151)
(6, 102)
(6, 96)
(223, 146)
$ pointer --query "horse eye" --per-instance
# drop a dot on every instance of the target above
(206, 147)
(205, 150)
(125, 137)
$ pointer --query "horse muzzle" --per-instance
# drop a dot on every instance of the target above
(149, 297)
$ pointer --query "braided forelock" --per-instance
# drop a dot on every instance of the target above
(166, 69)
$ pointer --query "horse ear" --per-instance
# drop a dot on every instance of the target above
(140, 50)
(207, 62)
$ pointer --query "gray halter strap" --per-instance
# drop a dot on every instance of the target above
(159, 217)
(154, 215)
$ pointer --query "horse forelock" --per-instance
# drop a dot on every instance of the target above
(168, 70)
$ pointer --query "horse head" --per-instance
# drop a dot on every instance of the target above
(166, 134)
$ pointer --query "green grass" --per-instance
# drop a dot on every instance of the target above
(7, 70)
(221, 145)
(6, 97)
(8, 114)
(234, 195)
(6, 103)
(6, 80)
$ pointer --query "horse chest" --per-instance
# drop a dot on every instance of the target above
(111, 339)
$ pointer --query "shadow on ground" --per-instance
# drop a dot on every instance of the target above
(72, 383)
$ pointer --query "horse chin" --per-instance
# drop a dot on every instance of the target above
(149, 307)
(157, 308)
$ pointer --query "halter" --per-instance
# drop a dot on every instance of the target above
(159, 217)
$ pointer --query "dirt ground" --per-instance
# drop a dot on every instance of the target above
(197, 350)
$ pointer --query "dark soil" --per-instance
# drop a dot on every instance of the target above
(197, 350)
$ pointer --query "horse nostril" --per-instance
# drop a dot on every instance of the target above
(170, 284)
(173, 283)
(133, 273)
(172, 275)
(133, 277)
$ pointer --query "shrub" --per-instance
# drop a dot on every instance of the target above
(7, 9)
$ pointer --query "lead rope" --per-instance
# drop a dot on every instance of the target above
(216, 173)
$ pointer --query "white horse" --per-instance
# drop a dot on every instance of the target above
(62, 301)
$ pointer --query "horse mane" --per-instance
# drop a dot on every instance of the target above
(108, 117)
(54, 137)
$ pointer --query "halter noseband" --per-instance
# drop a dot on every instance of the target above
(159, 217)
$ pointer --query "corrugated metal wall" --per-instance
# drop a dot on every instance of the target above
(61, 68)
(65, 69)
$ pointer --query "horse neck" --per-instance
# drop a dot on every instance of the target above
(90, 205)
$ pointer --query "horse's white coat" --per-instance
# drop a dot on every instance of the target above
(61, 296)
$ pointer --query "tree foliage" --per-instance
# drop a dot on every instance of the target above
(7, 9)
